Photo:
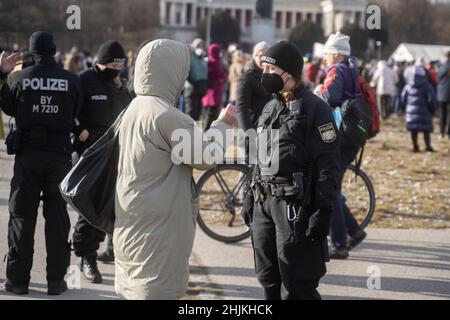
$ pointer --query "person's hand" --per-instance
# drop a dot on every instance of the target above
(8, 63)
(319, 225)
(118, 82)
(228, 115)
(84, 135)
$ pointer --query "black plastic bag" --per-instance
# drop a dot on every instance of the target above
(90, 186)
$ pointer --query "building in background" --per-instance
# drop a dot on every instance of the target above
(179, 18)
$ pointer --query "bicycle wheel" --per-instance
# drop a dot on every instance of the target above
(222, 192)
(359, 195)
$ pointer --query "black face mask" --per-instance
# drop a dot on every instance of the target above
(110, 73)
(272, 82)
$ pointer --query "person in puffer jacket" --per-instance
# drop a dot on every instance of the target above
(419, 98)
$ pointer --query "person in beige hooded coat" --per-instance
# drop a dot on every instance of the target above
(155, 208)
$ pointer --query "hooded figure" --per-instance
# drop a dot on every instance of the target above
(213, 99)
(419, 98)
(155, 197)
(385, 79)
(216, 76)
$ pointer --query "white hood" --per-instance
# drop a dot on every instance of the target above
(162, 68)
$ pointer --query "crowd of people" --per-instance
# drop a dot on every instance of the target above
(218, 77)
(65, 103)
(216, 73)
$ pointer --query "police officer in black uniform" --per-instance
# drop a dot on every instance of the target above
(295, 183)
(105, 96)
(45, 100)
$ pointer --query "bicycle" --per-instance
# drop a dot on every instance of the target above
(223, 188)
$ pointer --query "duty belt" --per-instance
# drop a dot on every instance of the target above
(280, 190)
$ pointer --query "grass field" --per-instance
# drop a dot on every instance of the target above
(413, 190)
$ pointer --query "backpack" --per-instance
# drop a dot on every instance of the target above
(356, 121)
(355, 111)
(370, 97)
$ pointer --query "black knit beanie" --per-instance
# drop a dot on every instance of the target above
(111, 51)
(42, 44)
(287, 56)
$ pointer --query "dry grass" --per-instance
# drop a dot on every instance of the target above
(413, 190)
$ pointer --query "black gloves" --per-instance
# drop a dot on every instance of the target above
(319, 225)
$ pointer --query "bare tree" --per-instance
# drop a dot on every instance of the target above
(129, 21)
(415, 21)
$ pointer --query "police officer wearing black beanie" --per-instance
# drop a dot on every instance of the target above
(104, 97)
(295, 184)
(44, 100)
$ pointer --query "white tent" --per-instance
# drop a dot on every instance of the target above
(410, 52)
(318, 50)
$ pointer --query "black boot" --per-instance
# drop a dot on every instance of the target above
(89, 267)
(414, 137)
(427, 137)
(273, 293)
(16, 289)
(355, 239)
(107, 256)
(56, 288)
(338, 253)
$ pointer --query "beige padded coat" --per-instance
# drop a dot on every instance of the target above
(155, 216)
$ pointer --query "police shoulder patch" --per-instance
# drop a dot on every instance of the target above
(328, 133)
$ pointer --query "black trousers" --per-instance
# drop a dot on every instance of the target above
(287, 270)
(194, 106)
(384, 102)
(86, 239)
(444, 118)
(36, 172)
(415, 138)
(211, 115)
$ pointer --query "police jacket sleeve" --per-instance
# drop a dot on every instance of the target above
(326, 154)
(244, 104)
(83, 106)
(78, 102)
(333, 89)
(7, 103)
(78, 96)
(3, 79)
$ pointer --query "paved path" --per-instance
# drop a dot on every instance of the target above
(412, 264)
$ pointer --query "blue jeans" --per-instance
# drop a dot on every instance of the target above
(396, 104)
(181, 104)
(342, 220)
